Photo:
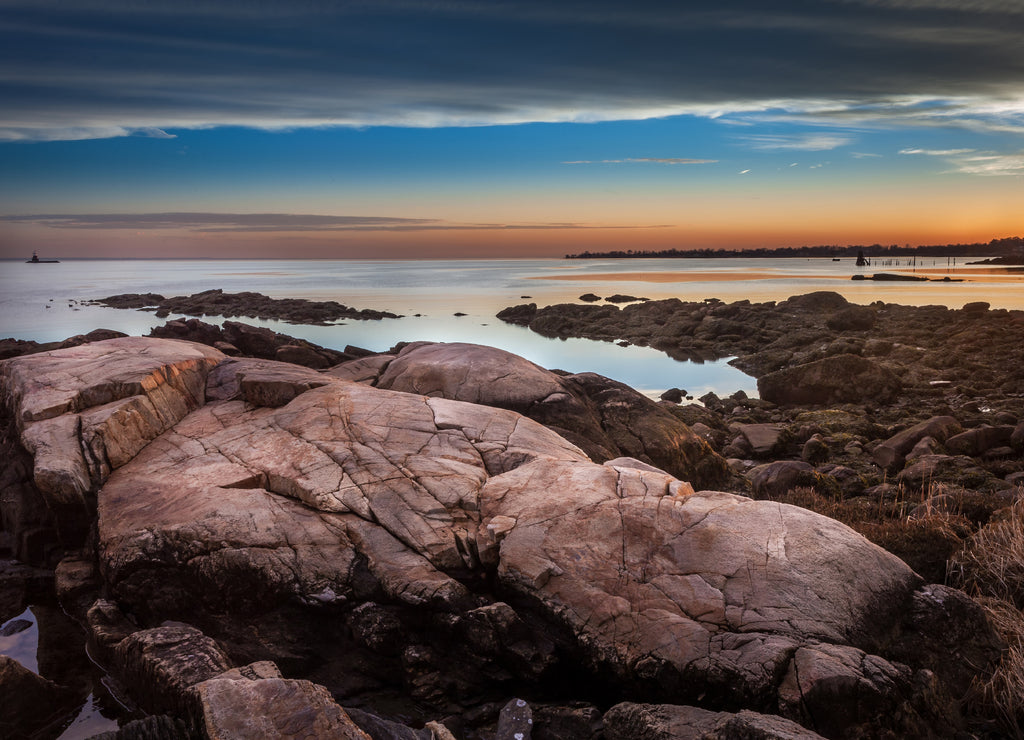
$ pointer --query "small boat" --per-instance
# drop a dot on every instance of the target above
(36, 261)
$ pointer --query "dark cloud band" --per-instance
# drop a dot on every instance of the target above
(105, 68)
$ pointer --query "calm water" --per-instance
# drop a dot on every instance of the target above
(42, 302)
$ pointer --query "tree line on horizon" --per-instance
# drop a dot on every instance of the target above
(995, 248)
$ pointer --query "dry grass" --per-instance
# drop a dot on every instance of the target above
(991, 567)
(992, 561)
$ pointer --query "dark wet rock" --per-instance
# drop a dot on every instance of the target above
(15, 626)
(77, 582)
(515, 721)
(521, 315)
(673, 395)
(29, 703)
(153, 727)
(622, 298)
(629, 721)
(253, 305)
(252, 341)
(836, 379)
(586, 297)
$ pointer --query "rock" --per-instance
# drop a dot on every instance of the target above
(928, 470)
(763, 439)
(890, 454)
(629, 721)
(590, 298)
(272, 708)
(1017, 438)
(382, 729)
(363, 370)
(107, 626)
(254, 305)
(299, 355)
(153, 727)
(84, 411)
(979, 440)
(77, 583)
(673, 395)
(822, 301)
(834, 688)
(607, 419)
(28, 702)
(515, 722)
(815, 450)
(854, 318)
(940, 620)
(520, 315)
(837, 379)
(572, 721)
(160, 665)
(776, 478)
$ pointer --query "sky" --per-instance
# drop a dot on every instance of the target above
(528, 128)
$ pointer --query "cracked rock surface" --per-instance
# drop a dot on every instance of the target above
(271, 506)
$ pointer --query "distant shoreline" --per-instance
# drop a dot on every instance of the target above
(1009, 246)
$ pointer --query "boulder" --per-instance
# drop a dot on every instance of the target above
(843, 378)
(891, 454)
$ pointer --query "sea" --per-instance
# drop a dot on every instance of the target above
(456, 300)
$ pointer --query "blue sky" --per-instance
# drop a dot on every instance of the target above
(405, 128)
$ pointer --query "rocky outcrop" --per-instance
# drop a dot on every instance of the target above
(254, 305)
(605, 418)
(454, 550)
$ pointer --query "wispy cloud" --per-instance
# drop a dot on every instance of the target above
(282, 222)
(651, 160)
(801, 142)
(973, 162)
(936, 152)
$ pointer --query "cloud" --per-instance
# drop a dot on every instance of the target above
(280, 222)
(103, 68)
(936, 152)
(973, 162)
(652, 160)
(801, 142)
